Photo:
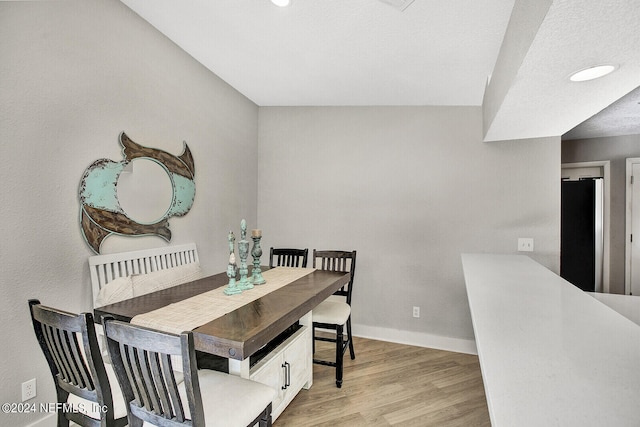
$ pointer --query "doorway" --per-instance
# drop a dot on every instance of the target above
(584, 258)
(632, 239)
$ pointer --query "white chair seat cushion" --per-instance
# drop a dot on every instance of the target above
(339, 298)
(90, 408)
(228, 400)
(331, 311)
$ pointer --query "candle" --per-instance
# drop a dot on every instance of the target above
(256, 233)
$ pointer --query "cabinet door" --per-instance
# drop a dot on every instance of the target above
(298, 355)
(272, 374)
(286, 369)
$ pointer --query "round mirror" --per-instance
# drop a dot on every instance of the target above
(145, 191)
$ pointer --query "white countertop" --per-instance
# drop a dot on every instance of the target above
(550, 354)
(627, 305)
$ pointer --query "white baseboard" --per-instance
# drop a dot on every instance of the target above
(419, 339)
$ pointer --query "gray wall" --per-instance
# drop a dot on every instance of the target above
(73, 75)
(615, 149)
(410, 188)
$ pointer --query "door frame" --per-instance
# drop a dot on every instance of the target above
(606, 171)
(627, 232)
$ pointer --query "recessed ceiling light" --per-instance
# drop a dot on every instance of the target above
(592, 73)
(281, 3)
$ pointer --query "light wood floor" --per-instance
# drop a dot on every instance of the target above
(392, 385)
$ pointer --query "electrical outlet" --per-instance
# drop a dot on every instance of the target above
(416, 311)
(525, 244)
(29, 389)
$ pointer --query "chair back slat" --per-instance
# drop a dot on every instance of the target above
(70, 363)
(172, 389)
(137, 373)
(339, 261)
(287, 257)
(152, 388)
(79, 365)
(51, 339)
(132, 382)
(157, 373)
(142, 362)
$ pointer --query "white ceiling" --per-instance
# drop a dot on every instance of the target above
(367, 52)
(620, 118)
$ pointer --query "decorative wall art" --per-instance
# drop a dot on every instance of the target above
(101, 213)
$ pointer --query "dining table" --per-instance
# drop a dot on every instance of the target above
(250, 326)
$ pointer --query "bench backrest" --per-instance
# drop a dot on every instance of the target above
(105, 268)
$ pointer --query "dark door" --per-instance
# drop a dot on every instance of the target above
(578, 235)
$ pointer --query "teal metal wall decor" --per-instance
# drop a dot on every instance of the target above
(101, 214)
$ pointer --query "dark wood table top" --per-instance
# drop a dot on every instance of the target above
(240, 333)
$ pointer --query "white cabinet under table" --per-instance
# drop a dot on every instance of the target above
(287, 368)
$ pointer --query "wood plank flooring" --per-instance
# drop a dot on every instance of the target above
(392, 385)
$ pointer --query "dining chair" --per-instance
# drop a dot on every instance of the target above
(143, 364)
(335, 312)
(287, 257)
(86, 387)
